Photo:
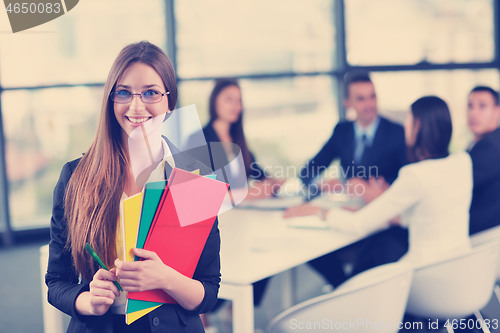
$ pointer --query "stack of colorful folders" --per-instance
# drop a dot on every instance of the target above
(172, 218)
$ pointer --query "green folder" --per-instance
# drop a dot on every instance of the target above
(152, 196)
(136, 305)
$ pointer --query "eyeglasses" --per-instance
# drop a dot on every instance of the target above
(149, 96)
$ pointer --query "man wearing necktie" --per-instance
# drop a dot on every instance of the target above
(370, 147)
(381, 155)
(361, 147)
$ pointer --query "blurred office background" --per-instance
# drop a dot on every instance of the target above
(290, 57)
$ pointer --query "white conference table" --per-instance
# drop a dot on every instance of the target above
(256, 244)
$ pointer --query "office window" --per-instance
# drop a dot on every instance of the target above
(227, 38)
(197, 93)
(286, 120)
(48, 128)
(71, 49)
(285, 49)
(397, 90)
(390, 32)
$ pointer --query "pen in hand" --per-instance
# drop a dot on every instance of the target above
(99, 261)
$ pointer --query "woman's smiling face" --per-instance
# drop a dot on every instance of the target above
(136, 79)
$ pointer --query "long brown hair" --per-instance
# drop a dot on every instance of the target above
(236, 128)
(92, 199)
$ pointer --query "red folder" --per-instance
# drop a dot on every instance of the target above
(185, 217)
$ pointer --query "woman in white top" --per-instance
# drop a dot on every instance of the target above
(432, 194)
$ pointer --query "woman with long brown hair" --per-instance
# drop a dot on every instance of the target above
(139, 90)
(226, 126)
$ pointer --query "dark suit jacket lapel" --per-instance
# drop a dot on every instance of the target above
(379, 134)
(350, 144)
(377, 144)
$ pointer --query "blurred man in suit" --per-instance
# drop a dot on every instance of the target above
(371, 150)
(370, 146)
(483, 115)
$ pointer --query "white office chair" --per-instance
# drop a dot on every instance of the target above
(54, 321)
(482, 237)
(457, 287)
(361, 304)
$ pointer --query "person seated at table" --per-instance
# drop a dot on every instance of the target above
(432, 194)
(371, 151)
(226, 126)
(370, 146)
(483, 115)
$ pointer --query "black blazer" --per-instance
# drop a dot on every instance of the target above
(214, 154)
(485, 205)
(255, 171)
(62, 279)
(384, 157)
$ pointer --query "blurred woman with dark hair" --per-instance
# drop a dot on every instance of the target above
(226, 126)
(432, 194)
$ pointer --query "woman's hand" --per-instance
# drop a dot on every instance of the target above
(302, 210)
(101, 296)
(331, 186)
(356, 187)
(374, 188)
(268, 187)
(147, 274)
(152, 273)
(350, 208)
